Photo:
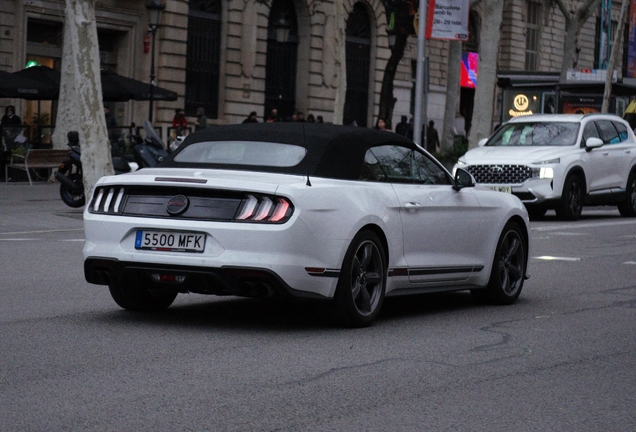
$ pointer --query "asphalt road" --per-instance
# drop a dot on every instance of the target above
(562, 358)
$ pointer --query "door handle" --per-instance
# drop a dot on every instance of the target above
(412, 205)
(605, 153)
(628, 151)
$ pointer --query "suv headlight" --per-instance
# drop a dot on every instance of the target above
(459, 163)
(545, 172)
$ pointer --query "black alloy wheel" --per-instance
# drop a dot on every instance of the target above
(572, 199)
(508, 269)
(360, 292)
(628, 207)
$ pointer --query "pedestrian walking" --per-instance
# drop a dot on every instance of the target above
(402, 127)
(202, 121)
(432, 137)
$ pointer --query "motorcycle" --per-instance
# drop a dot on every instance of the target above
(148, 152)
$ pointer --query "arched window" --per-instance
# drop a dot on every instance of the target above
(358, 53)
(282, 57)
(203, 57)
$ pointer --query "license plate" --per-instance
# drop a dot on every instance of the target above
(506, 189)
(170, 241)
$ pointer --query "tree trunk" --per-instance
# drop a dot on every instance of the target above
(387, 100)
(341, 63)
(574, 22)
(96, 157)
(67, 119)
(491, 13)
(452, 95)
(613, 56)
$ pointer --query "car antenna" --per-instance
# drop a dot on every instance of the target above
(308, 182)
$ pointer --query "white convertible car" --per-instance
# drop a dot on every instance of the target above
(315, 211)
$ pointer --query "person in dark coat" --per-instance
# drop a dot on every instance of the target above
(251, 118)
(432, 137)
(202, 121)
(11, 126)
(402, 127)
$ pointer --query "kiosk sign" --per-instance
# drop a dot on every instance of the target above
(518, 104)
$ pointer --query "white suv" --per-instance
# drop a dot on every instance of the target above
(560, 161)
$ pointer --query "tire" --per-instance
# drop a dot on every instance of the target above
(536, 212)
(572, 199)
(362, 283)
(71, 198)
(628, 207)
(508, 269)
(136, 296)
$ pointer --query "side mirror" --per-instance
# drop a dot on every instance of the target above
(482, 142)
(463, 179)
(593, 143)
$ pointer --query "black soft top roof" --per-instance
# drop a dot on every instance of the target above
(332, 151)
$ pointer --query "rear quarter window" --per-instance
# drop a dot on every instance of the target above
(608, 132)
(623, 135)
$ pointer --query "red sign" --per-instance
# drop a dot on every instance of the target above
(147, 43)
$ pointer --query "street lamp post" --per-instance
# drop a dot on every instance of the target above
(155, 7)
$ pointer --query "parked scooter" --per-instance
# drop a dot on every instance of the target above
(149, 152)
(146, 153)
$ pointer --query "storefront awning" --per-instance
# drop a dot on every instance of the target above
(550, 80)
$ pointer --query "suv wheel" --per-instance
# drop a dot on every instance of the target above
(536, 212)
(572, 199)
(628, 207)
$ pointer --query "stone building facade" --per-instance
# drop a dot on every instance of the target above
(239, 56)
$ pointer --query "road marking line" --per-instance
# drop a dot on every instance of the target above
(20, 239)
(74, 240)
(583, 225)
(630, 262)
(42, 232)
(551, 258)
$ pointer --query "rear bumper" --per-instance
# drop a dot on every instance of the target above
(227, 280)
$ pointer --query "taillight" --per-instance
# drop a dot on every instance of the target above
(107, 200)
(265, 209)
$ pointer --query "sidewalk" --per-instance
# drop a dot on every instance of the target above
(25, 208)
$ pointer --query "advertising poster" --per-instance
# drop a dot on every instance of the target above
(468, 72)
(581, 104)
(447, 19)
